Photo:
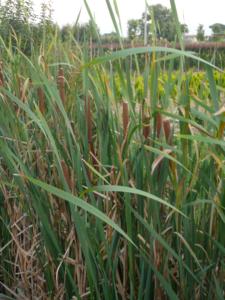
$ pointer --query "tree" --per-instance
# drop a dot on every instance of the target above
(165, 26)
(184, 28)
(200, 33)
(46, 26)
(86, 32)
(111, 37)
(218, 30)
(46, 14)
(66, 32)
(16, 17)
(133, 29)
(164, 22)
(21, 27)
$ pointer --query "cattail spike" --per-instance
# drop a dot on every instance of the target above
(66, 173)
(88, 119)
(125, 117)
(1, 74)
(167, 131)
(41, 99)
(146, 126)
(159, 123)
(61, 85)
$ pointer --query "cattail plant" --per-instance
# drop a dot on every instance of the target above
(158, 124)
(89, 123)
(41, 100)
(67, 174)
(1, 74)
(125, 118)
(61, 85)
(88, 115)
(146, 126)
(91, 205)
(167, 131)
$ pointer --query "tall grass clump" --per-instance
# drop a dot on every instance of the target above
(107, 195)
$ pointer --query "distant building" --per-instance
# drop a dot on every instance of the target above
(218, 37)
(190, 38)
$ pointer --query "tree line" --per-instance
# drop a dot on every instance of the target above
(21, 25)
(165, 27)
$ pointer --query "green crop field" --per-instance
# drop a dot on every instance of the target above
(112, 176)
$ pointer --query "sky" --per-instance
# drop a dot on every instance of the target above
(191, 12)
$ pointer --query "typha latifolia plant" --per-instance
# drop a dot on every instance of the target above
(99, 198)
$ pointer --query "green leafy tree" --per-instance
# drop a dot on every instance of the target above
(218, 31)
(217, 28)
(16, 18)
(164, 24)
(66, 32)
(111, 37)
(46, 14)
(200, 33)
(184, 28)
(133, 29)
(46, 26)
(86, 32)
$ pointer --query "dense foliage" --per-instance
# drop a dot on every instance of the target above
(112, 178)
(165, 26)
(198, 84)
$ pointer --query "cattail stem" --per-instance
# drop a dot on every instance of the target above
(1, 74)
(41, 100)
(66, 173)
(88, 114)
(88, 119)
(125, 118)
(61, 85)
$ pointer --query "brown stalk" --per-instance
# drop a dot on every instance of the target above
(61, 85)
(167, 131)
(1, 74)
(146, 126)
(66, 172)
(158, 129)
(125, 118)
(158, 254)
(22, 90)
(41, 100)
(88, 119)
(159, 124)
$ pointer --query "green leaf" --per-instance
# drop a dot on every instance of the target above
(129, 190)
(141, 50)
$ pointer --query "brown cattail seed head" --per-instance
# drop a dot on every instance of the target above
(88, 118)
(41, 99)
(61, 85)
(125, 117)
(146, 127)
(1, 74)
(159, 123)
(167, 131)
(66, 173)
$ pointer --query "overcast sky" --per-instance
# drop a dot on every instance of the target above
(191, 12)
